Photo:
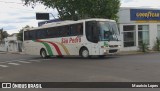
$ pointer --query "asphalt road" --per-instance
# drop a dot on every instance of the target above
(129, 68)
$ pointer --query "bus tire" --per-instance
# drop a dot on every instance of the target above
(84, 53)
(43, 53)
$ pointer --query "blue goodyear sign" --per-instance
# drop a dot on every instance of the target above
(143, 14)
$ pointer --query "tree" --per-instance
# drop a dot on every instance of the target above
(80, 9)
(20, 34)
(5, 34)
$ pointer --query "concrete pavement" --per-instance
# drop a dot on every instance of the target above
(121, 53)
(127, 68)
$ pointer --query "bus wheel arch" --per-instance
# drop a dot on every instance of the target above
(43, 53)
(84, 52)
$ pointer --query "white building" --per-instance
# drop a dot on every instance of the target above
(2, 46)
(11, 44)
(137, 25)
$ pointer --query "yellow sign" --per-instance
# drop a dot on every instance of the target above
(148, 21)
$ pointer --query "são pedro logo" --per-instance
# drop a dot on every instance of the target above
(71, 40)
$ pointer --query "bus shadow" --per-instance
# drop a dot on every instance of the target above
(80, 58)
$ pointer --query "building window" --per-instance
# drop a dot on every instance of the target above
(129, 35)
(158, 31)
(143, 34)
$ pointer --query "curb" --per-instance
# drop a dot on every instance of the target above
(3, 52)
(16, 53)
(137, 53)
(12, 53)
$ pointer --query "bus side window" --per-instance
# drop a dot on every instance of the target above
(73, 30)
(64, 31)
(80, 29)
(67, 29)
(26, 35)
(56, 32)
(47, 33)
(60, 31)
(51, 32)
(41, 34)
(76, 29)
(38, 32)
(32, 35)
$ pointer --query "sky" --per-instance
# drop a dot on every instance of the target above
(14, 15)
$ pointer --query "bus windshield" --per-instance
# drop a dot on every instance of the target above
(108, 31)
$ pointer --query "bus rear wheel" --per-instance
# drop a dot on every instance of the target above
(84, 53)
(43, 53)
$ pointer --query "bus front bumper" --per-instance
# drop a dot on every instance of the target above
(110, 51)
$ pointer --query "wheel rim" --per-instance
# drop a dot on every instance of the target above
(43, 54)
(85, 53)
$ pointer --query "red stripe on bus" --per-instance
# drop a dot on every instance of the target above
(55, 46)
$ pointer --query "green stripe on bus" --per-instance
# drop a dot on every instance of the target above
(49, 50)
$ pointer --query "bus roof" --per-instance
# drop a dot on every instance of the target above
(68, 22)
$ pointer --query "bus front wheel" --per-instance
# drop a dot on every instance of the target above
(84, 53)
(43, 53)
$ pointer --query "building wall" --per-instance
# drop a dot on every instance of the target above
(125, 19)
(11, 44)
(2, 46)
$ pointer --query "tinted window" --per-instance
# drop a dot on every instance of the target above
(79, 29)
(26, 35)
(54, 32)
(41, 34)
(76, 29)
(128, 28)
(92, 32)
(29, 35)
(32, 35)
(64, 31)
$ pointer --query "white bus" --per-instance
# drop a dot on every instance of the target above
(83, 37)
